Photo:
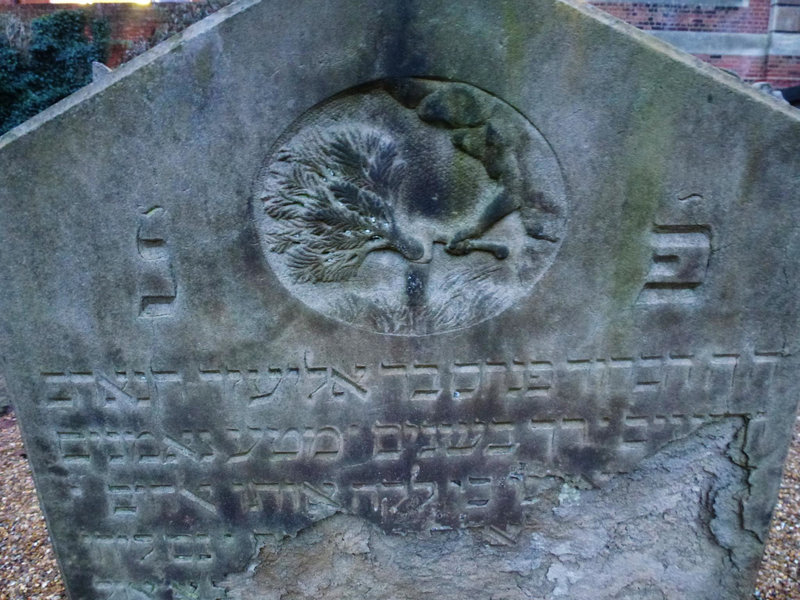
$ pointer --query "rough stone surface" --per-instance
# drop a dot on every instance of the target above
(637, 537)
(390, 299)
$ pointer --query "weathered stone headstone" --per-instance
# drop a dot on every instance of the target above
(388, 299)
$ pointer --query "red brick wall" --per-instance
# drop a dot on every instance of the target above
(783, 71)
(751, 68)
(750, 19)
(780, 71)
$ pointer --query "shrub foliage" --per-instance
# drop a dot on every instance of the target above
(49, 60)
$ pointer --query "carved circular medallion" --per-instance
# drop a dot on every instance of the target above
(411, 207)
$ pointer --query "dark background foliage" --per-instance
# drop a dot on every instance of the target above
(47, 61)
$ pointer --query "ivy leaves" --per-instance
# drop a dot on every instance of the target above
(47, 63)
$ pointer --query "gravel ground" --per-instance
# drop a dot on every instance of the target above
(28, 568)
(780, 569)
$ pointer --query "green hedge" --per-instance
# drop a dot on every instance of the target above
(50, 60)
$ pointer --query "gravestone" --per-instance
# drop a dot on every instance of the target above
(388, 299)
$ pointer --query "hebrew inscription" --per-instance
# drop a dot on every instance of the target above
(419, 446)
(679, 264)
(157, 286)
(411, 207)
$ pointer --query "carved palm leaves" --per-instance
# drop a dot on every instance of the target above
(332, 202)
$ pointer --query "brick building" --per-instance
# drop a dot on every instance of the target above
(757, 39)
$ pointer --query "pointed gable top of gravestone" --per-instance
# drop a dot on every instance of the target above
(498, 292)
(209, 26)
